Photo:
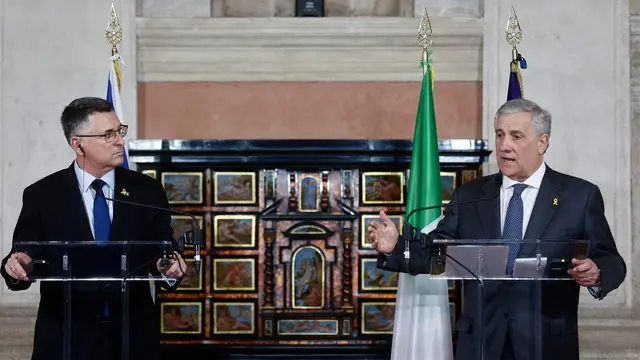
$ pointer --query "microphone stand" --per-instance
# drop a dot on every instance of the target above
(192, 237)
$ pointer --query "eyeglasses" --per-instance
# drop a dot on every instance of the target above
(110, 135)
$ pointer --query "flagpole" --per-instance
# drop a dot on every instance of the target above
(425, 39)
(513, 35)
(114, 37)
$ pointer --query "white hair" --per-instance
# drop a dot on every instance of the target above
(540, 118)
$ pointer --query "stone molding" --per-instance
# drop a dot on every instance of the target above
(304, 49)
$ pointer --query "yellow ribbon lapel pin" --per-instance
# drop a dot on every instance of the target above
(555, 201)
(124, 192)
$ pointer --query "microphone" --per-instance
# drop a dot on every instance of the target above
(187, 238)
(408, 229)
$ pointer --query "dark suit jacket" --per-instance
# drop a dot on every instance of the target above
(53, 210)
(508, 306)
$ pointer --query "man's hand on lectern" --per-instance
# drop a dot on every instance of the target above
(383, 236)
(18, 265)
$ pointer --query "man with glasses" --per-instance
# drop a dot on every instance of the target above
(70, 205)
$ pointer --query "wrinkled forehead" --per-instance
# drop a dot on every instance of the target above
(520, 121)
(100, 122)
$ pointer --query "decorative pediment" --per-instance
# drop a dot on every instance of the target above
(308, 230)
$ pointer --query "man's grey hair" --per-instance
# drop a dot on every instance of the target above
(540, 118)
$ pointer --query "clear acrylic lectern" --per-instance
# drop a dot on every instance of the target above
(74, 262)
(539, 266)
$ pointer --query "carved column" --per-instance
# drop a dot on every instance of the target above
(347, 240)
(269, 238)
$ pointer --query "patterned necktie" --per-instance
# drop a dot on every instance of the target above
(513, 225)
(101, 219)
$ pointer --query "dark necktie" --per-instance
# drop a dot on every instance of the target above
(101, 219)
(513, 225)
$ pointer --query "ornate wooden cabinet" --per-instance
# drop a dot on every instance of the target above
(287, 266)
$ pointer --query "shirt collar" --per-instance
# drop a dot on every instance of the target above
(85, 179)
(533, 181)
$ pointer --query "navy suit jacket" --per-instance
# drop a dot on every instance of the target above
(53, 210)
(508, 307)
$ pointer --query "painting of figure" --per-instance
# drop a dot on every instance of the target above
(377, 318)
(181, 318)
(376, 279)
(382, 188)
(234, 188)
(309, 194)
(234, 230)
(307, 287)
(448, 183)
(308, 327)
(233, 318)
(183, 187)
(468, 175)
(234, 274)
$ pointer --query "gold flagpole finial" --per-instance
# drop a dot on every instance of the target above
(425, 38)
(513, 32)
(114, 31)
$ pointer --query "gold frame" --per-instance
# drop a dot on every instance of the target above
(452, 174)
(292, 276)
(363, 187)
(200, 322)
(362, 273)
(362, 317)
(308, 333)
(237, 332)
(200, 219)
(150, 173)
(231, 217)
(274, 185)
(217, 201)
(363, 229)
(253, 274)
(467, 171)
(199, 175)
(318, 179)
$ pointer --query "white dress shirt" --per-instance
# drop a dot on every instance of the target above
(528, 196)
(88, 193)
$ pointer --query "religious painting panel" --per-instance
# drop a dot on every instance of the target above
(377, 317)
(382, 188)
(234, 188)
(373, 279)
(234, 231)
(234, 274)
(181, 317)
(308, 327)
(234, 318)
(183, 187)
(308, 278)
(448, 183)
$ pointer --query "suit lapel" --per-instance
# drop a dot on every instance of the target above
(543, 211)
(76, 212)
(489, 211)
(121, 212)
